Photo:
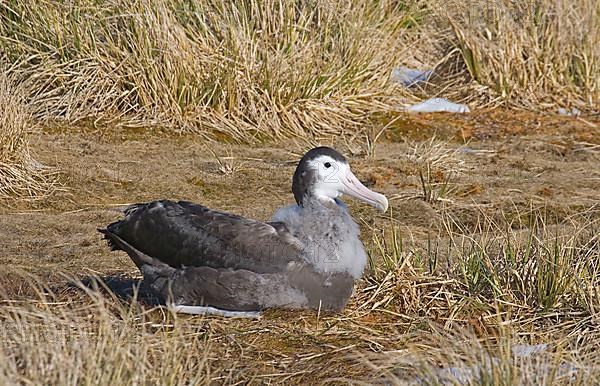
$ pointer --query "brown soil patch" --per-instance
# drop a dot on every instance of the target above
(508, 167)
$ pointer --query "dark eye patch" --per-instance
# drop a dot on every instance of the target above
(327, 165)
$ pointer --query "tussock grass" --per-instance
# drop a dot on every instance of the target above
(463, 358)
(242, 69)
(534, 268)
(438, 165)
(253, 70)
(535, 54)
(469, 299)
(20, 175)
(451, 309)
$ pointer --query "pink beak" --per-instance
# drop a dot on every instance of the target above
(353, 187)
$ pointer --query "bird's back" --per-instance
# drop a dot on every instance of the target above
(186, 234)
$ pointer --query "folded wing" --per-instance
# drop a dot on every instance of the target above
(186, 234)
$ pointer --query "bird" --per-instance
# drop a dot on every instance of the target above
(307, 256)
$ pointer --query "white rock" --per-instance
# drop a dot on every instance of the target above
(435, 105)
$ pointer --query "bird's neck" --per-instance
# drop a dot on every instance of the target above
(331, 236)
(313, 201)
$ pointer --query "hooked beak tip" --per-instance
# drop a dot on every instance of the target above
(383, 205)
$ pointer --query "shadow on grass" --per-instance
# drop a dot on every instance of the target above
(124, 288)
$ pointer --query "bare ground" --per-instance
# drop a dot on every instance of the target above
(484, 164)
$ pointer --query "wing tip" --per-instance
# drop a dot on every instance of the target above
(108, 236)
(140, 259)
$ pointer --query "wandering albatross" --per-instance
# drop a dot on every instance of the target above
(307, 256)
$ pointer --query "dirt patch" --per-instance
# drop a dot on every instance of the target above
(507, 176)
(102, 171)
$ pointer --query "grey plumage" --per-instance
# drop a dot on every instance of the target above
(186, 234)
(307, 257)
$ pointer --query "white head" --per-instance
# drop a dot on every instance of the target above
(324, 173)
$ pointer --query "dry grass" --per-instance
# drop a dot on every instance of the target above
(245, 70)
(455, 299)
(99, 341)
(456, 310)
(456, 282)
(507, 266)
(439, 165)
(20, 175)
(508, 358)
(253, 70)
(536, 54)
(468, 300)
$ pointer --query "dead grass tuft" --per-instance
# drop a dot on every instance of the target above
(502, 303)
(252, 71)
(461, 272)
(241, 70)
(533, 54)
(98, 341)
(509, 358)
(20, 175)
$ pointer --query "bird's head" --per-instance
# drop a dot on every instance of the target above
(324, 173)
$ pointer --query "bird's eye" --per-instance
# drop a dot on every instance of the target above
(327, 165)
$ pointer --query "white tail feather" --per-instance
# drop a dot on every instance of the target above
(202, 310)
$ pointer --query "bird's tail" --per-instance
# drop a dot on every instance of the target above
(111, 237)
(139, 258)
(113, 229)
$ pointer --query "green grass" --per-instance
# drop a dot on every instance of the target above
(538, 268)
(469, 297)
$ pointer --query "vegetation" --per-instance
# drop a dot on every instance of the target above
(20, 175)
(255, 70)
(465, 276)
(489, 306)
